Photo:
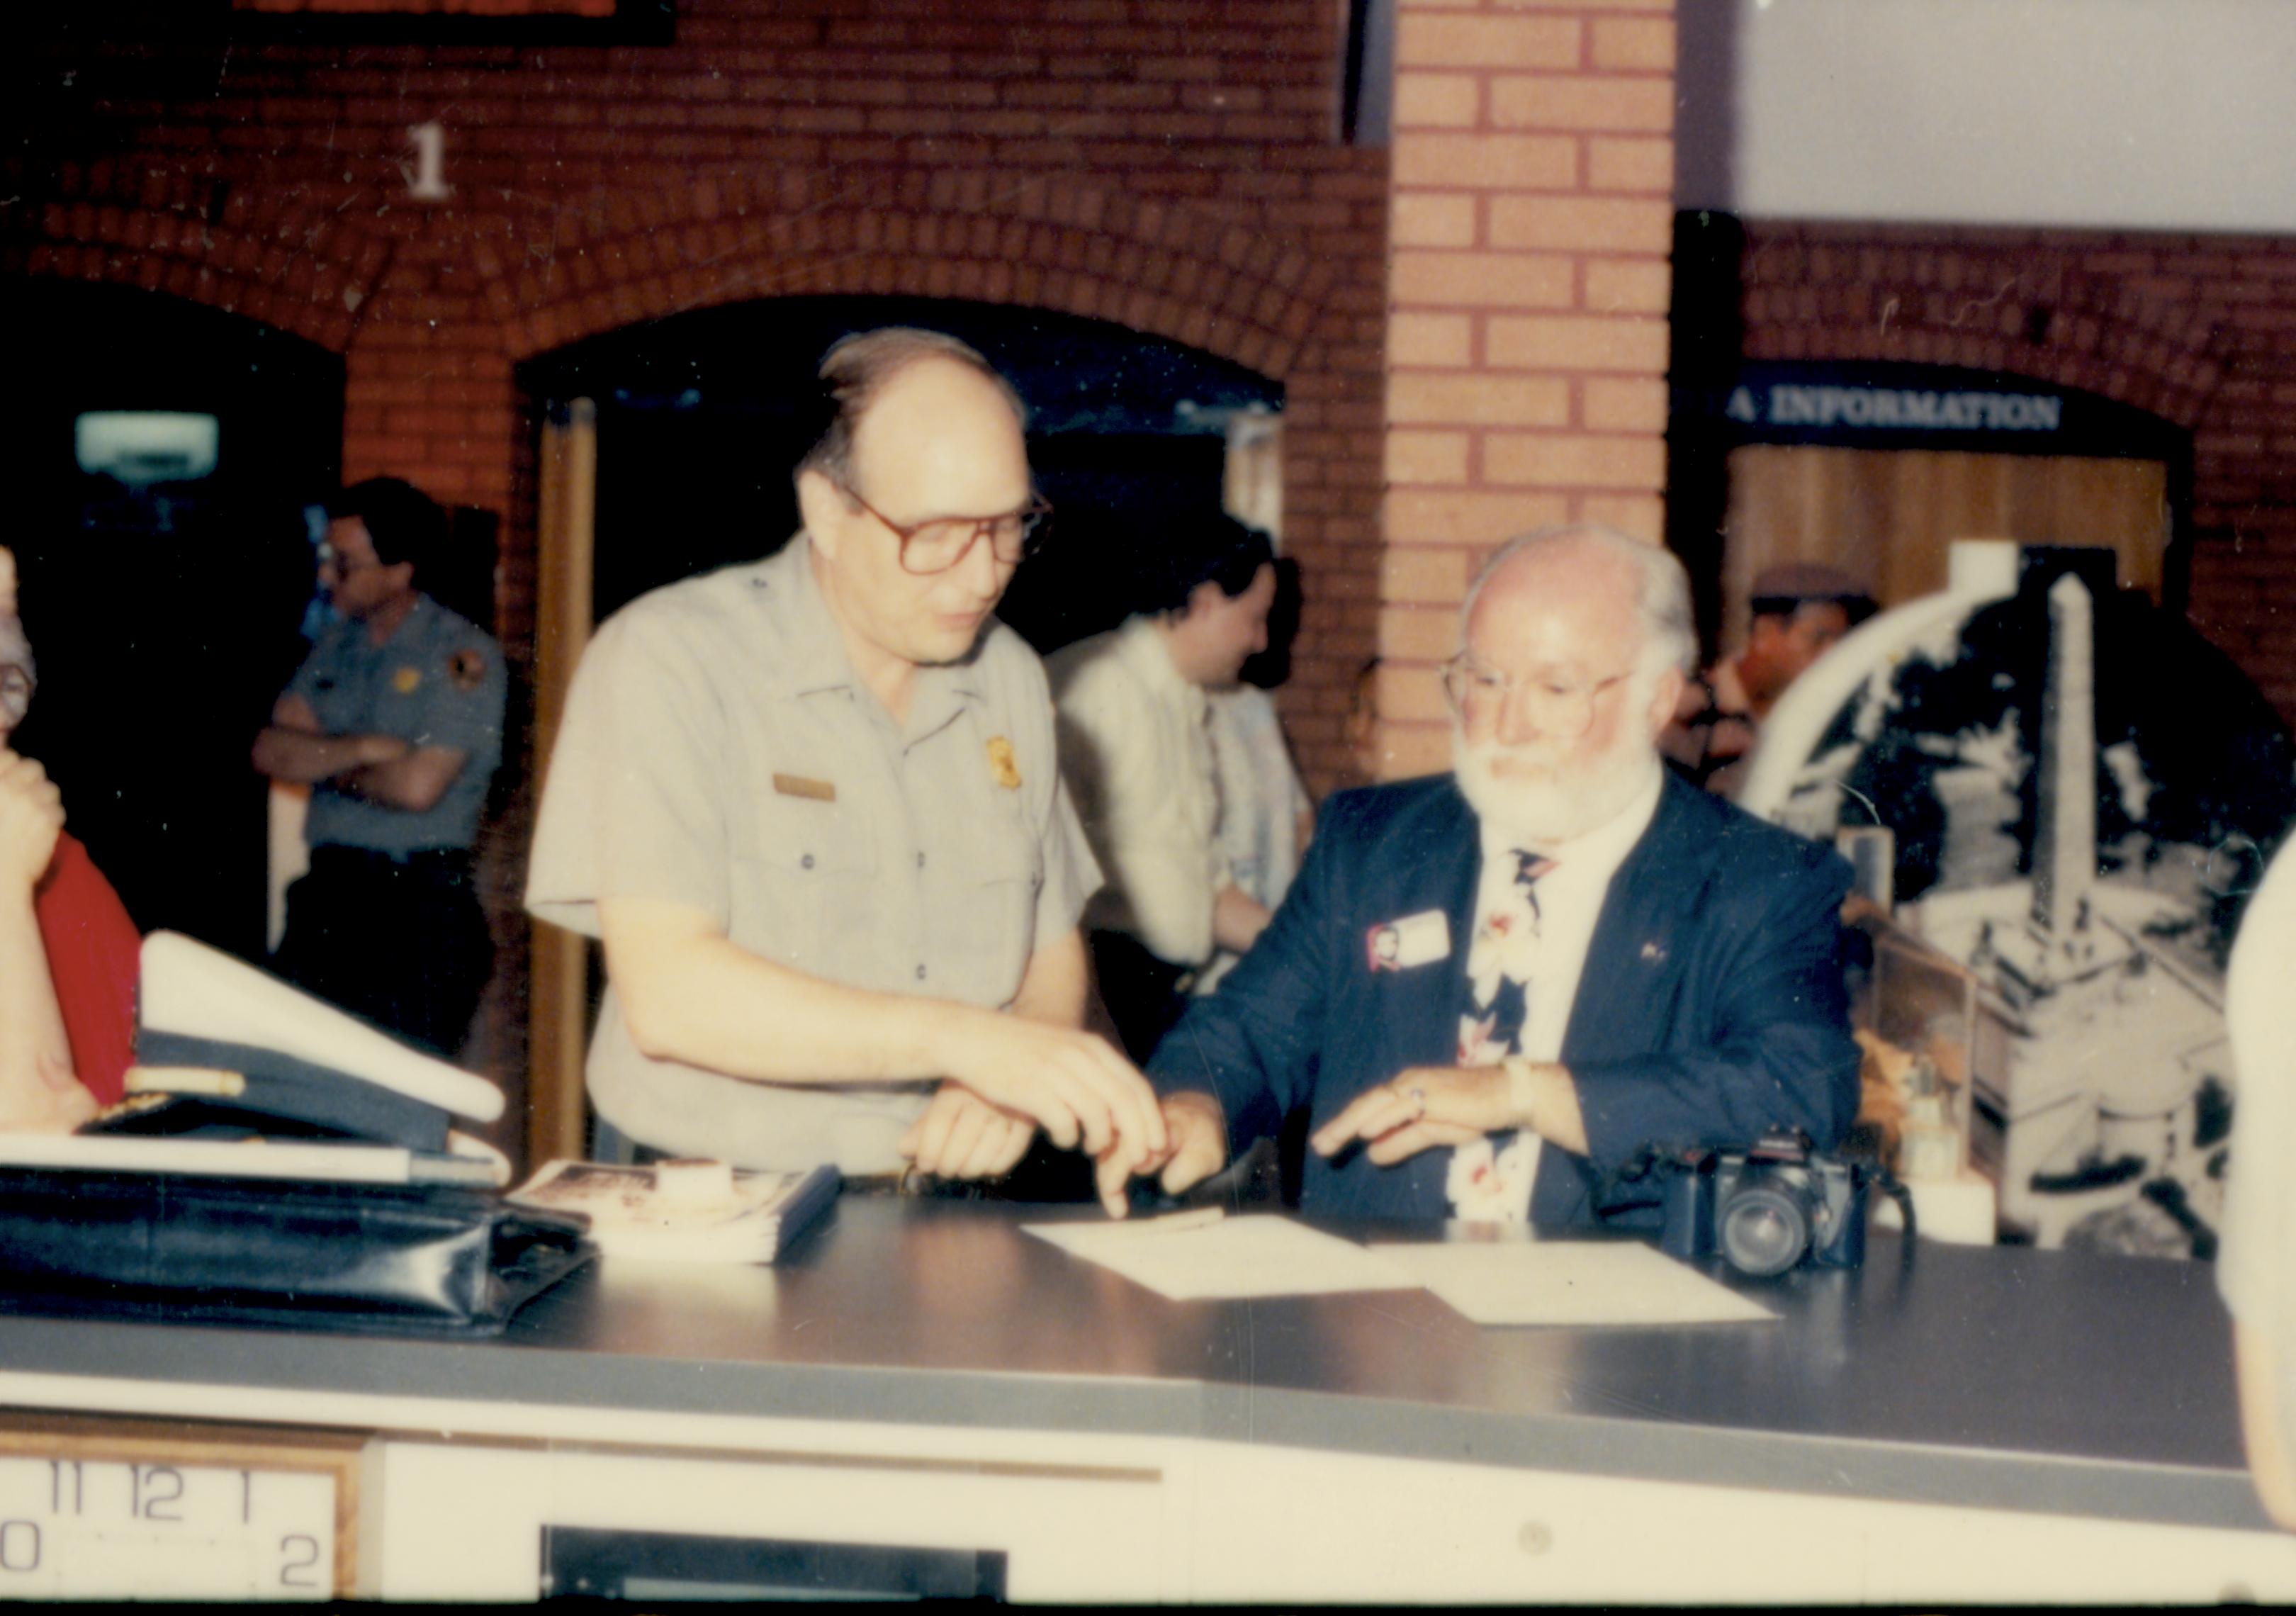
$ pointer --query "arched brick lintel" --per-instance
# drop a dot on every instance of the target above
(2154, 356)
(1154, 267)
(2122, 368)
(309, 290)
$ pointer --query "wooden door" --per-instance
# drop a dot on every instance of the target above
(1889, 515)
(559, 998)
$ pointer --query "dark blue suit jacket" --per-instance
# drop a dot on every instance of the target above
(1710, 1007)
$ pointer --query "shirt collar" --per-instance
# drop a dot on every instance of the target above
(410, 630)
(812, 649)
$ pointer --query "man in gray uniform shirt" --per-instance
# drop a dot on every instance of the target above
(395, 722)
(811, 806)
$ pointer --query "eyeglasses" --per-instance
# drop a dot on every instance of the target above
(1478, 692)
(939, 543)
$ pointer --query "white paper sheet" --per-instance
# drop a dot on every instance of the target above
(1556, 1282)
(1229, 1259)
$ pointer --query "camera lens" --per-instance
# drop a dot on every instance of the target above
(1764, 1230)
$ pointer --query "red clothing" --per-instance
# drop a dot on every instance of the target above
(94, 952)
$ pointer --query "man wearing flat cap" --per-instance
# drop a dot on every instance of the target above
(1798, 610)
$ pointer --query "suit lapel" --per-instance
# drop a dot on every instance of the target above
(1424, 1030)
(1652, 892)
(1661, 884)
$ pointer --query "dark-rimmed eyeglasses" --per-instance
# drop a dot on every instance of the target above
(939, 543)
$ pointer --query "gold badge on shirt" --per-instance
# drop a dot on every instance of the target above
(466, 668)
(1003, 766)
(405, 680)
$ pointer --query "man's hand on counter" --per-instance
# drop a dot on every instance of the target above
(1074, 1084)
(1423, 1107)
(962, 1135)
(1196, 1148)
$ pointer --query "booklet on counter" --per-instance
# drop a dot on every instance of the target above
(685, 1211)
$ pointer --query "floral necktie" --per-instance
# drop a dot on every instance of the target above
(1488, 1184)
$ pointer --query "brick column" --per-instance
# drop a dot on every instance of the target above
(1531, 211)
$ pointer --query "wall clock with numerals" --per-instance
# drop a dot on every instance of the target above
(118, 1509)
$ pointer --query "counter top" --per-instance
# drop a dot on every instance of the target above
(1988, 1377)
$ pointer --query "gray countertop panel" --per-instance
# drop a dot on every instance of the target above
(1980, 1376)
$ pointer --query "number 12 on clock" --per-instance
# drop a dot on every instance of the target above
(124, 1528)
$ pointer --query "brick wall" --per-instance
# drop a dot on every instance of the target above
(1170, 165)
(1528, 290)
(2199, 331)
(1167, 165)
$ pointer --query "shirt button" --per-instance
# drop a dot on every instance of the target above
(921, 973)
(807, 861)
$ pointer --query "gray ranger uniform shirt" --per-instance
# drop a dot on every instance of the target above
(437, 681)
(718, 751)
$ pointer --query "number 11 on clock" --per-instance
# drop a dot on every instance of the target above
(127, 1528)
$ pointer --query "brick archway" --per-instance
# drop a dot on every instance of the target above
(290, 263)
(1159, 268)
(2012, 308)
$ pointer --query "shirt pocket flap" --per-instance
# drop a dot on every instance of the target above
(821, 844)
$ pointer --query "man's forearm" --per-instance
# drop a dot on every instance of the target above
(414, 782)
(304, 757)
(1057, 985)
(705, 1001)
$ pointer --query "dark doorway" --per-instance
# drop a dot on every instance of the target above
(161, 456)
(700, 417)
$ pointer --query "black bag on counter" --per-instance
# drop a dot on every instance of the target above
(179, 1248)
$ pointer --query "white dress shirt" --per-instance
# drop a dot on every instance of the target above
(1138, 757)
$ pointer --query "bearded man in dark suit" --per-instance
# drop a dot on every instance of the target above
(1491, 989)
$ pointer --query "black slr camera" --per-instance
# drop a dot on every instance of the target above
(1764, 1209)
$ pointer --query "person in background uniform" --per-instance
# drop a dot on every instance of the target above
(68, 949)
(1137, 749)
(810, 804)
(1491, 989)
(1799, 609)
(395, 723)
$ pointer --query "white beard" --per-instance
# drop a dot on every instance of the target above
(1541, 803)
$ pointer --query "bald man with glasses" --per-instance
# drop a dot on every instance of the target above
(811, 807)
